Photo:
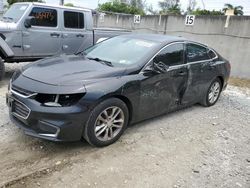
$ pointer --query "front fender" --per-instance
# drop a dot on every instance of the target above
(5, 50)
(125, 86)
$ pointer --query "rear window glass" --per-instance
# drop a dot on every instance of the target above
(44, 17)
(73, 20)
(196, 52)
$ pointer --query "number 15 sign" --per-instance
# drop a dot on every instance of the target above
(190, 20)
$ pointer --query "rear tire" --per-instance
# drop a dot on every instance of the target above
(213, 93)
(106, 123)
(2, 69)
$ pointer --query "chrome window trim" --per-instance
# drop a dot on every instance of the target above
(163, 48)
(185, 64)
(19, 116)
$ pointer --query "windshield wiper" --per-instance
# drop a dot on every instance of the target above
(100, 60)
(8, 18)
(83, 53)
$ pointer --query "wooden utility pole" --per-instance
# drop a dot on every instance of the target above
(61, 2)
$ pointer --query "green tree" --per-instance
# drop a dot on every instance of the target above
(120, 7)
(170, 7)
(207, 12)
(140, 4)
(10, 2)
(69, 4)
(238, 10)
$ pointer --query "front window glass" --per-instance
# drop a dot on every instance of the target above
(121, 51)
(44, 17)
(15, 12)
(171, 55)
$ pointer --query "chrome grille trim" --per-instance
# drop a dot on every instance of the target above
(19, 115)
(14, 91)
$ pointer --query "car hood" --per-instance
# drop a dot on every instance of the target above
(7, 26)
(70, 70)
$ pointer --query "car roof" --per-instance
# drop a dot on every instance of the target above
(163, 39)
(56, 6)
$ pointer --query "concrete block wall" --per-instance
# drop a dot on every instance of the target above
(232, 42)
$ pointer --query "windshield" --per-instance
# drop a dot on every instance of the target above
(121, 51)
(15, 12)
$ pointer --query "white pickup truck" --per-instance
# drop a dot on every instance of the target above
(31, 31)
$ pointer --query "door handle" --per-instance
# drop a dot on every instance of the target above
(181, 73)
(80, 35)
(212, 66)
(55, 34)
(65, 35)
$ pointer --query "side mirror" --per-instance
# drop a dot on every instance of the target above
(29, 21)
(159, 66)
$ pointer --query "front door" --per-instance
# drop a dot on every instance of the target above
(43, 38)
(162, 92)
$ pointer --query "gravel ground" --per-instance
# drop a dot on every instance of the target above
(194, 147)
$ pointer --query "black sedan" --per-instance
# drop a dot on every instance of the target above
(95, 94)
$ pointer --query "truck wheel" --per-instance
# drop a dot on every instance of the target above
(2, 69)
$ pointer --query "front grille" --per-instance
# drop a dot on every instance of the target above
(20, 110)
(21, 91)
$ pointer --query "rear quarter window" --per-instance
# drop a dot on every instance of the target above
(212, 54)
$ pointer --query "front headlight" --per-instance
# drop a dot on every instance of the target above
(53, 100)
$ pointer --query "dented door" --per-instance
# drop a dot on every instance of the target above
(163, 89)
(161, 93)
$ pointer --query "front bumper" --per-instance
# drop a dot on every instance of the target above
(50, 123)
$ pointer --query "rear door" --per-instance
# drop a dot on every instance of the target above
(73, 31)
(43, 38)
(201, 71)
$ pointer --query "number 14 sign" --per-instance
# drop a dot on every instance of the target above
(190, 20)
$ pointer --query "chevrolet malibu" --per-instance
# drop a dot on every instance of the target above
(95, 94)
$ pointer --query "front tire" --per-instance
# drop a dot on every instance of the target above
(106, 123)
(2, 69)
(213, 93)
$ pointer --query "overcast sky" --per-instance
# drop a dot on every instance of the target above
(209, 4)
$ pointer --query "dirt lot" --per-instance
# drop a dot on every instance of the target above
(194, 147)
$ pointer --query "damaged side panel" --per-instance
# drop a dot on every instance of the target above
(161, 93)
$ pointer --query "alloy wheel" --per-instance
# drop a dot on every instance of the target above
(109, 123)
(214, 92)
